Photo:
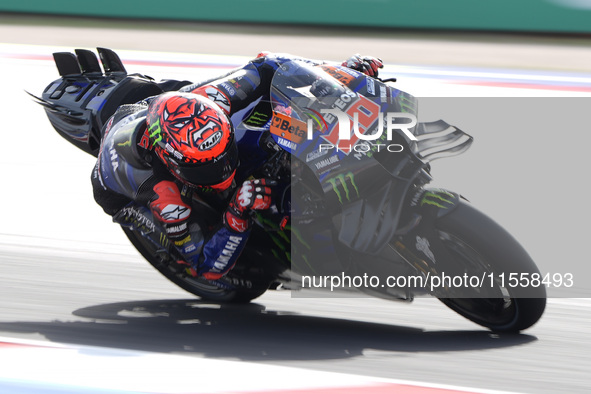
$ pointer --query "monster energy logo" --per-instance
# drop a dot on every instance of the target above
(164, 240)
(343, 179)
(155, 131)
(206, 189)
(407, 104)
(257, 119)
(438, 199)
(284, 247)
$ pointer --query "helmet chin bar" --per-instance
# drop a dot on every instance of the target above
(218, 187)
(224, 185)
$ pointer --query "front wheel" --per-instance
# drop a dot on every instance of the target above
(485, 249)
(238, 290)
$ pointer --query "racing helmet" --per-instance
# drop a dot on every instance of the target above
(194, 139)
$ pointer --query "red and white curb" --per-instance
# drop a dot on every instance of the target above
(43, 367)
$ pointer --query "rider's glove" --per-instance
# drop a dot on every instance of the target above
(366, 64)
(253, 195)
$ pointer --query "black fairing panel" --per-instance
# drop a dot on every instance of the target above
(82, 100)
(78, 107)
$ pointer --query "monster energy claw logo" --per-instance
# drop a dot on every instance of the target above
(155, 132)
(164, 240)
(407, 104)
(439, 199)
(344, 180)
(257, 119)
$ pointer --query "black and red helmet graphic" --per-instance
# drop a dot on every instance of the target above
(193, 126)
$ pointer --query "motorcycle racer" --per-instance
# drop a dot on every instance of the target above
(166, 166)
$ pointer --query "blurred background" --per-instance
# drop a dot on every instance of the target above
(536, 34)
(69, 275)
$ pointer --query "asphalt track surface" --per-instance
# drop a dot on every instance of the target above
(61, 281)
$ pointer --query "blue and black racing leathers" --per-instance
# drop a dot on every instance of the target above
(134, 186)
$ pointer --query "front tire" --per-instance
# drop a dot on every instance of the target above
(485, 248)
(243, 291)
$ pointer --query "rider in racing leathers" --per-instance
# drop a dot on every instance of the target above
(161, 154)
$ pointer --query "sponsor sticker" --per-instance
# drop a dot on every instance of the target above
(211, 141)
(175, 212)
(288, 128)
(338, 74)
(315, 155)
(218, 97)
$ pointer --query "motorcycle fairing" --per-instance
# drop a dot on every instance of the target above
(364, 191)
(82, 100)
(120, 170)
(421, 245)
(439, 140)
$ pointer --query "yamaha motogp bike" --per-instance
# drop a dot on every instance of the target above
(352, 208)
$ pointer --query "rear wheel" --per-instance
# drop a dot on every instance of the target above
(487, 250)
(239, 290)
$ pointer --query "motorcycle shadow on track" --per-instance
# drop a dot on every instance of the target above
(248, 332)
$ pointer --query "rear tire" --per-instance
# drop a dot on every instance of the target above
(484, 247)
(198, 286)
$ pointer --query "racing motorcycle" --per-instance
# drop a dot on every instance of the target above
(350, 204)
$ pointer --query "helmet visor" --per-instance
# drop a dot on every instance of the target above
(213, 172)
